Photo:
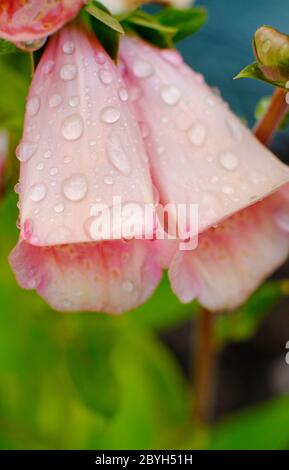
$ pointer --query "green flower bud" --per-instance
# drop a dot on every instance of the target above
(271, 50)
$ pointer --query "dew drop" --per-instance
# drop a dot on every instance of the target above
(68, 72)
(47, 154)
(59, 208)
(37, 192)
(54, 101)
(197, 134)
(72, 127)
(110, 114)
(142, 69)
(53, 171)
(74, 101)
(172, 56)
(108, 179)
(128, 286)
(170, 94)
(117, 155)
(68, 47)
(33, 105)
(30, 46)
(100, 58)
(105, 76)
(235, 129)
(25, 151)
(75, 187)
(123, 94)
(40, 166)
(229, 161)
(48, 67)
(228, 190)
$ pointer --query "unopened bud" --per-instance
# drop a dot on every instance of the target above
(271, 49)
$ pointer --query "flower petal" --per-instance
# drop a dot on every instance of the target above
(110, 277)
(232, 259)
(81, 149)
(200, 153)
(29, 21)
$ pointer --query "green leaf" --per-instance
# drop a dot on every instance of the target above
(90, 365)
(100, 13)
(264, 427)
(154, 406)
(254, 71)
(186, 21)
(146, 20)
(149, 28)
(106, 28)
(243, 323)
(8, 48)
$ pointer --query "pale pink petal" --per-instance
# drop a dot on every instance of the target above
(234, 258)
(109, 277)
(200, 153)
(26, 21)
(81, 146)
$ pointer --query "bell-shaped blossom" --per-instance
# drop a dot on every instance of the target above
(82, 157)
(28, 22)
(200, 153)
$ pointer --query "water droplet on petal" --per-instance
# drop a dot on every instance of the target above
(170, 94)
(17, 188)
(123, 94)
(110, 115)
(33, 105)
(229, 161)
(53, 171)
(235, 129)
(142, 69)
(100, 58)
(47, 154)
(172, 56)
(48, 67)
(59, 208)
(72, 127)
(108, 179)
(117, 155)
(105, 76)
(197, 134)
(37, 192)
(54, 101)
(40, 166)
(228, 190)
(30, 46)
(128, 286)
(25, 151)
(68, 47)
(74, 101)
(68, 72)
(75, 187)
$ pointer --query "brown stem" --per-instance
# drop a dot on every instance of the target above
(204, 354)
(269, 123)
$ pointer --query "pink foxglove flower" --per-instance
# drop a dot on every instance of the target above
(29, 22)
(81, 148)
(200, 153)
